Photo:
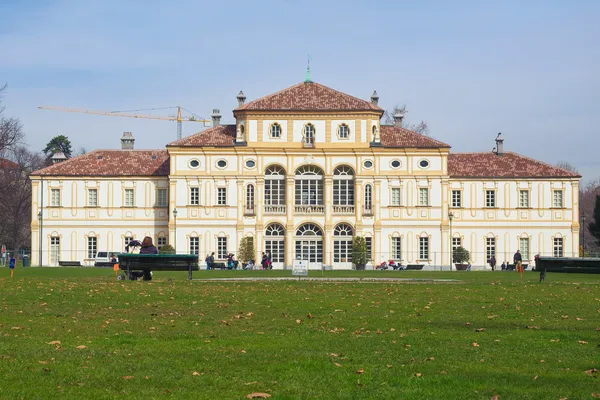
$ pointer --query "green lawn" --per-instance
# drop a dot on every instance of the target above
(79, 333)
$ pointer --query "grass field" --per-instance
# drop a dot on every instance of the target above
(79, 333)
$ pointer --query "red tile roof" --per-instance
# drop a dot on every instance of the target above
(218, 136)
(7, 164)
(112, 163)
(509, 165)
(394, 136)
(309, 96)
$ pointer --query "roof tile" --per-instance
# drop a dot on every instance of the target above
(509, 165)
(394, 136)
(309, 96)
(112, 163)
(217, 136)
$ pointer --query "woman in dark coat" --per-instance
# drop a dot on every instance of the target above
(148, 247)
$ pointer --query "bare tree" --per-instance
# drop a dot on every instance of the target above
(388, 119)
(568, 166)
(587, 201)
(11, 134)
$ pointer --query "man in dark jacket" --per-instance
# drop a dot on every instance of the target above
(518, 260)
(211, 261)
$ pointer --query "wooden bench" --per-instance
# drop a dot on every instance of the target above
(158, 262)
(415, 267)
(218, 265)
(585, 265)
(69, 263)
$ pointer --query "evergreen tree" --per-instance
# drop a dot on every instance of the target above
(58, 143)
(594, 226)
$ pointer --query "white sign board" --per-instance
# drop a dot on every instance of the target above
(300, 268)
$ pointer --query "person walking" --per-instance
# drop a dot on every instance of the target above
(210, 262)
(518, 260)
(492, 262)
(263, 261)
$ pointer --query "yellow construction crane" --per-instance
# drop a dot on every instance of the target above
(128, 114)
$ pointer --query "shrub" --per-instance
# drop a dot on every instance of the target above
(461, 255)
(167, 249)
(246, 252)
(359, 252)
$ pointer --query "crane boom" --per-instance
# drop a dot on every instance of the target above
(177, 118)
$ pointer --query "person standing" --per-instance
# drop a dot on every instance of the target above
(115, 264)
(12, 264)
(211, 261)
(518, 260)
(492, 262)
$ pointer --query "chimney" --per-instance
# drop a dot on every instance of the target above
(216, 117)
(241, 98)
(398, 117)
(499, 145)
(127, 141)
(374, 97)
(58, 157)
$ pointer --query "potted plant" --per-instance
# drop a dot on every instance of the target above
(359, 252)
(461, 256)
(246, 250)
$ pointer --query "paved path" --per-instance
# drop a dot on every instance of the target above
(324, 279)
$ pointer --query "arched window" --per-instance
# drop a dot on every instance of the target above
(309, 134)
(342, 245)
(343, 131)
(309, 230)
(275, 244)
(250, 198)
(309, 186)
(368, 198)
(343, 186)
(275, 190)
(275, 131)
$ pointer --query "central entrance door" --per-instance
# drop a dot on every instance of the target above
(309, 245)
(275, 244)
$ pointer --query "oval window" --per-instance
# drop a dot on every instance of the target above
(423, 163)
(194, 163)
(221, 163)
(396, 164)
(250, 163)
(368, 164)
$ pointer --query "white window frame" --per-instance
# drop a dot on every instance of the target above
(456, 198)
(92, 247)
(396, 248)
(343, 186)
(194, 196)
(309, 134)
(369, 245)
(275, 131)
(396, 196)
(54, 250)
(221, 196)
(162, 198)
(250, 197)
(129, 197)
(368, 197)
(55, 197)
(92, 197)
(558, 247)
(524, 247)
(490, 247)
(456, 243)
(275, 186)
(195, 245)
(558, 199)
(343, 131)
(423, 248)
(222, 247)
(490, 198)
(423, 197)
(162, 241)
(127, 240)
(523, 198)
(308, 186)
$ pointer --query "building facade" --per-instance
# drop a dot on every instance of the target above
(302, 172)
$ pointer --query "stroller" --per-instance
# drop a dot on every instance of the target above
(134, 247)
(250, 266)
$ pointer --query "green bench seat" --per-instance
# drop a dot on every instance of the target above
(158, 262)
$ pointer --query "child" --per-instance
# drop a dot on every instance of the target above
(13, 262)
(115, 264)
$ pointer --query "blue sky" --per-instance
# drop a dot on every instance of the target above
(470, 69)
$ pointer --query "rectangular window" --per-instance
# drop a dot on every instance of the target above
(395, 196)
(490, 198)
(423, 196)
(369, 243)
(557, 249)
(92, 197)
(456, 242)
(54, 250)
(162, 198)
(195, 196)
(396, 248)
(490, 248)
(92, 247)
(423, 248)
(129, 198)
(55, 197)
(557, 197)
(222, 248)
(524, 198)
(222, 196)
(194, 245)
(524, 247)
(456, 198)
(161, 241)
(128, 240)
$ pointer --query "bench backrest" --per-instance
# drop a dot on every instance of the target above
(159, 262)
